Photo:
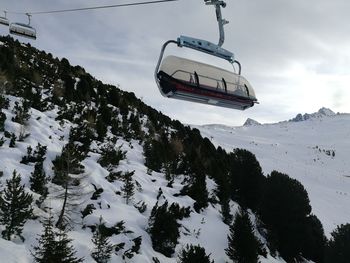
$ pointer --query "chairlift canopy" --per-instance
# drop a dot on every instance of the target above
(4, 21)
(189, 80)
(23, 30)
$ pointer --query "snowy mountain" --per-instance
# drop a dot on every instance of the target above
(312, 148)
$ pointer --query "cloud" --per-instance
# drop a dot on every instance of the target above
(295, 53)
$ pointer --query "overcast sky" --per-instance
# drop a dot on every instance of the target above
(296, 54)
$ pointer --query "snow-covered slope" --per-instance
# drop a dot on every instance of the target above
(315, 150)
(205, 228)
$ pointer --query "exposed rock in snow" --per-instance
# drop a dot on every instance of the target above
(251, 122)
(320, 114)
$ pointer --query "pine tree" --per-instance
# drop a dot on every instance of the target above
(46, 248)
(338, 249)
(243, 246)
(247, 179)
(21, 112)
(128, 187)
(64, 166)
(197, 190)
(315, 241)
(22, 116)
(15, 207)
(111, 155)
(103, 249)
(2, 121)
(67, 163)
(194, 254)
(65, 252)
(38, 180)
(284, 209)
(54, 247)
(163, 229)
(13, 140)
(225, 211)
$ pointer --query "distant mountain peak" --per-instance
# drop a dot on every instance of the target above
(251, 122)
(326, 111)
(319, 114)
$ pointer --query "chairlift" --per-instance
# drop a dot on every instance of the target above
(24, 30)
(189, 80)
(3, 20)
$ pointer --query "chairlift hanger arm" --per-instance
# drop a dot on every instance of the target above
(221, 22)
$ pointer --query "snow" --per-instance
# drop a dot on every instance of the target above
(304, 151)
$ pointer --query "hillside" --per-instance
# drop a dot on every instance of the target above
(312, 148)
(96, 160)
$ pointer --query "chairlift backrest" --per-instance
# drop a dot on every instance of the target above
(23, 30)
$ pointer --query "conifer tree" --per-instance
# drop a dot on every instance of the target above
(45, 251)
(64, 166)
(22, 116)
(38, 180)
(54, 247)
(128, 187)
(67, 163)
(284, 209)
(194, 254)
(103, 249)
(338, 249)
(101, 129)
(15, 207)
(225, 211)
(247, 179)
(243, 246)
(65, 252)
(163, 229)
(111, 155)
(13, 139)
(21, 112)
(197, 189)
(2, 121)
(315, 241)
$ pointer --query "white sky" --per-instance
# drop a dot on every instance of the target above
(296, 54)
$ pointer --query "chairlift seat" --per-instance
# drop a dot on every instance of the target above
(23, 30)
(4, 21)
(189, 80)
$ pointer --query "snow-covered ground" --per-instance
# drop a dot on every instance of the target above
(315, 151)
(205, 229)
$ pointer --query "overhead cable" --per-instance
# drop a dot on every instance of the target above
(90, 8)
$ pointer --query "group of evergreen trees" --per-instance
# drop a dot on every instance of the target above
(281, 203)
